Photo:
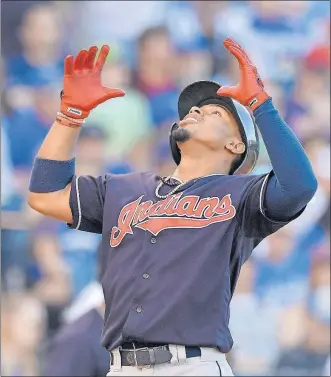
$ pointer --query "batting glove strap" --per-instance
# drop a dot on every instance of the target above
(68, 121)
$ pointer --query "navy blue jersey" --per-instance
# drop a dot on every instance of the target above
(169, 266)
(76, 349)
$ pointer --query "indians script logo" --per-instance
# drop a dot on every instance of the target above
(173, 212)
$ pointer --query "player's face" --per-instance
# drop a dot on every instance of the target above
(212, 126)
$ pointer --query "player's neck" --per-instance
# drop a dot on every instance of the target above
(192, 167)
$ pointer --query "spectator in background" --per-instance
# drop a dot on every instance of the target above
(40, 35)
(282, 268)
(188, 32)
(194, 64)
(127, 122)
(7, 177)
(309, 356)
(7, 173)
(259, 328)
(194, 38)
(318, 151)
(91, 151)
(22, 334)
(24, 129)
(282, 30)
(12, 13)
(197, 26)
(282, 264)
(120, 22)
(313, 74)
(15, 236)
(301, 112)
(155, 74)
(207, 14)
(16, 216)
(41, 58)
(28, 127)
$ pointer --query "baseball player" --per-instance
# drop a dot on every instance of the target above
(173, 246)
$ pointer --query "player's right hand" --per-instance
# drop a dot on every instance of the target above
(82, 88)
(250, 90)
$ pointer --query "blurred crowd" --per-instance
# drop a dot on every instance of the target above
(280, 314)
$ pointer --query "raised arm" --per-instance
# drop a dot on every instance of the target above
(54, 166)
(292, 183)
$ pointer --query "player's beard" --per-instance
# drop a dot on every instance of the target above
(180, 135)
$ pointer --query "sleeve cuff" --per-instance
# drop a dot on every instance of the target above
(264, 108)
(75, 205)
(261, 201)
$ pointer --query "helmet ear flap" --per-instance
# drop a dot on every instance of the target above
(175, 152)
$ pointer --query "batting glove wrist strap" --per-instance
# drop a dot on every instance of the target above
(68, 121)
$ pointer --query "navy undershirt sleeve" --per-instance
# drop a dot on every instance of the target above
(293, 183)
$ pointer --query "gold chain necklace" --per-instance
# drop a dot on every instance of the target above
(167, 182)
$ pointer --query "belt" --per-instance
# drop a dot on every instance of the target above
(142, 355)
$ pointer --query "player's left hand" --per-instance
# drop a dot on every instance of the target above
(250, 89)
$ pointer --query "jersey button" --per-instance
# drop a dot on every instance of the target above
(153, 240)
(139, 309)
(146, 276)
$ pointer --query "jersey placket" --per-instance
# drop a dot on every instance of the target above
(144, 283)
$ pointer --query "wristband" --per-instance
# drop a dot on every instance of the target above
(69, 122)
(51, 175)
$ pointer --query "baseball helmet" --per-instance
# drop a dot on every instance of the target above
(202, 93)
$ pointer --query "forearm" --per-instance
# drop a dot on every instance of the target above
(52, 173)
(59, 143)
(294, 183)
(54, 167)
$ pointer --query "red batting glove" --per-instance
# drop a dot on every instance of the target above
(82, 88)
(250, 90)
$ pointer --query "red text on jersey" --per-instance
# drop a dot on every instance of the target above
(174, 212)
